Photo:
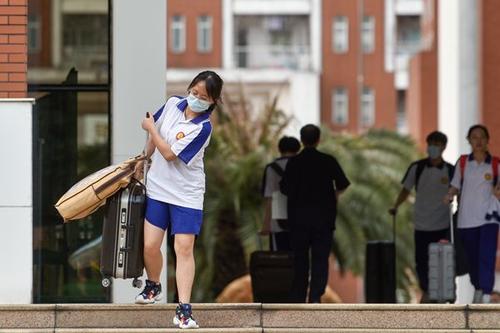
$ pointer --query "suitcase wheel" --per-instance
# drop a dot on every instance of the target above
(137, 283)
(106, 282)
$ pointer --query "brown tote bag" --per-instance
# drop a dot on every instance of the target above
(90, 193)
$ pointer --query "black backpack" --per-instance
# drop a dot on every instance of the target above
(421, 166)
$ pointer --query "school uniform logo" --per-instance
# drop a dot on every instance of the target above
(445, 180)
(179, 135)
(488, 176)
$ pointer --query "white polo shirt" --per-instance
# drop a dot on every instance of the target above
(272, 185)
(182, 181)
(429, 212)
(475, 192)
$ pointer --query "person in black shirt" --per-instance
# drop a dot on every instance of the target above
(312, 182)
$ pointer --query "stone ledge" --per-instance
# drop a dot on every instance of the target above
(254, 317)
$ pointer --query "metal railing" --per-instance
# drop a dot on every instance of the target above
(296, 57)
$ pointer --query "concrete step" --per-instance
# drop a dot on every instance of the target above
(253, 318)
(241, 330)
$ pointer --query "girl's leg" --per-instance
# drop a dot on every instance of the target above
(470, 241)
(153, 259)
(487, 257)
(184, 275)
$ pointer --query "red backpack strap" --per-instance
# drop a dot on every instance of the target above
(461, 163)
(494, 166)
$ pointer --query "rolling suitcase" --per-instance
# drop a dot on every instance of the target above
(442, 269)
(272, 274)
(122, 235)
(380, 270)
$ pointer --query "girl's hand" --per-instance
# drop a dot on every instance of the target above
(496, 191)
(448, 198)
(148, 123)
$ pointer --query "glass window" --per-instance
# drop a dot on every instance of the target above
(82, 47)
(68, 71)
(34, 34)
(64, 37)
(204, 34)
(340, 33)
(178, 34)
(368, 107)
(368, 34)
(340, 105)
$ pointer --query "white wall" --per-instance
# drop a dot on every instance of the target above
(138, 86)
(458, 72)
(16, 204)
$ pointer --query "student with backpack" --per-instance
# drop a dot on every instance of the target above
(275, 212)
(476, 180)
(431, 178)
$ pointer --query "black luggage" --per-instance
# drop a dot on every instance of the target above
(272, 275)
(122, 235)
(380, 270)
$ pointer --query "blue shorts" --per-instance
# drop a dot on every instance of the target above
(182, 220)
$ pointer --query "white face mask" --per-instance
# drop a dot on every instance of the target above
(196, 104)
(433, 151)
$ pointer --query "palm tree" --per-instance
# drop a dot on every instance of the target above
(243, 142)
(374, 163)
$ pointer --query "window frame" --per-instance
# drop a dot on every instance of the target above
(204, 23)
(340, 28)
(340, 95)
(368, 107)
(180, 26)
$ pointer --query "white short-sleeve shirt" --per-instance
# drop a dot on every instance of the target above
(181, 181)
(476, 191)
(271, 185)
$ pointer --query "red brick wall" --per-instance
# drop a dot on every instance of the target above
(422, 93)
(489, 70)
(191, 9)
(342, 69)
(13, 48)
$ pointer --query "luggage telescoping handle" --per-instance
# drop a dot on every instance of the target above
(394, 229)
(452, 232)
(146, 154)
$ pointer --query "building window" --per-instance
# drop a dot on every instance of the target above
(340, 33)
(368, 107)
(204, 34)
(178, 31)
(368, 34)
(34, 34)
(340, 106)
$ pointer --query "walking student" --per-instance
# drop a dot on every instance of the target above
(475, 179)
(178, 135)
(431, 178)
(275, 214)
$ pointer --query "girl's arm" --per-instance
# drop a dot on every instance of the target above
(156, 139)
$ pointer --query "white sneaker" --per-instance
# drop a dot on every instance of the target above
(183, 317)
(150, 294)
(188, 323)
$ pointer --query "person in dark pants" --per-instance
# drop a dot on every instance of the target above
(431, 178)
(476, 180)
(312, 182)
(275, 220)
